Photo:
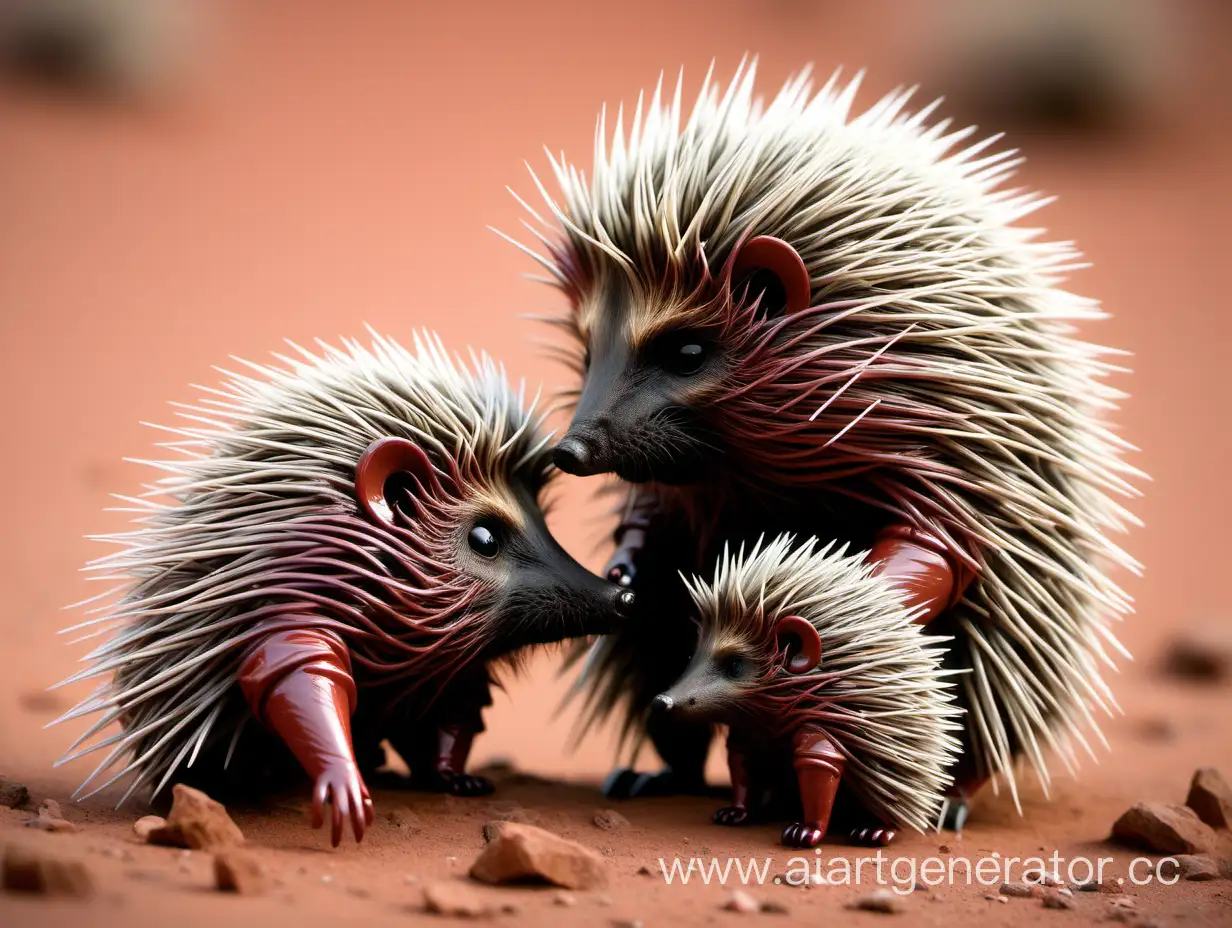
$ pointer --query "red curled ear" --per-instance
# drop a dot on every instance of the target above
(378, 470)
(799, 642)
(766, 255)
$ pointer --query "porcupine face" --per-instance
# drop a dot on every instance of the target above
(721, 679)
(536, 592)
(639, 412)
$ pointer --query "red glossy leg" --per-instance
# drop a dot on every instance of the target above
(921, 565)
(819, 770)
(298, 683)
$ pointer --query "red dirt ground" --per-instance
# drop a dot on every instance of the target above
(335, 168)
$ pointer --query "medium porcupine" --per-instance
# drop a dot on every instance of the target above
(787, 317)
(817, 664)
(363, 518)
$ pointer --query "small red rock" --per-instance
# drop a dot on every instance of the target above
(1197, 868)
(516, 852)
(1055, 900)
(13, 795)
(146, 824)
(1201, 653)
(26, 871)
(51, 818)
(1017, 890)
(447, 897)
(1164, 828)
(238, 871)
(741, 902)
(609, 820)
(1210, 797)
(196, 821)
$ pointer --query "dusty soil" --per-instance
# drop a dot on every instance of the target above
(330, 170)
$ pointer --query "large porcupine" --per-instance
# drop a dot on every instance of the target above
(822, 675)
(790, 318)
(358, 534)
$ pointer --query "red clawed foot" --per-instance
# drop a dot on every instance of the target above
(343, 789)
(731, 816)
(802, 834)
(873, 836)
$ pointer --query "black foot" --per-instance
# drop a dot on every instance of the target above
(455, 784)
(626, 783)
(954, 812)
(732, 816)
(802, 834)
(872, 836)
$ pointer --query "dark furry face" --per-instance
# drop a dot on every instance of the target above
(718, 683)
(641, 410)
(494, 539)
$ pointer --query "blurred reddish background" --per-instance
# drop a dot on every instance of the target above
(308, 167)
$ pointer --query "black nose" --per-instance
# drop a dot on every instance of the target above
(661, 703)
(624, 603)
(574, 455)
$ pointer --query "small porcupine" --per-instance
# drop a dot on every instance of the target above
(357, 534)
(789, 318)
(817, 664)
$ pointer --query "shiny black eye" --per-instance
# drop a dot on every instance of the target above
(689, 358)
(483, 541)
(733, 667)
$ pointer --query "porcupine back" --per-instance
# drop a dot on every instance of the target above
(878, 691)
(936, 379)
(261, 515)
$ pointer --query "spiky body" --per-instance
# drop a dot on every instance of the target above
(935, 378)
(878, 691)
(260, 521)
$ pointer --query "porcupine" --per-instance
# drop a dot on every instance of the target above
(824, 679)
(350, 542)
(792, 318)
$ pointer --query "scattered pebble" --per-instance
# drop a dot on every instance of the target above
(1122, 902)
(1054, 900)
(609, 820)
(774, 908)
(879, 900)
(1165, 828)
(197, 821)
(1046, 879)
(741, 902)
(1018, 890)
(564, 899)
(1210, 797)
(449, 897)
(238, 871)
(359, 892)
(146, 824)
(643, 870)
(517, 852)
(51, 818)
(28, 871)
(1197, 868)
(13, 795)
(1201, 653)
